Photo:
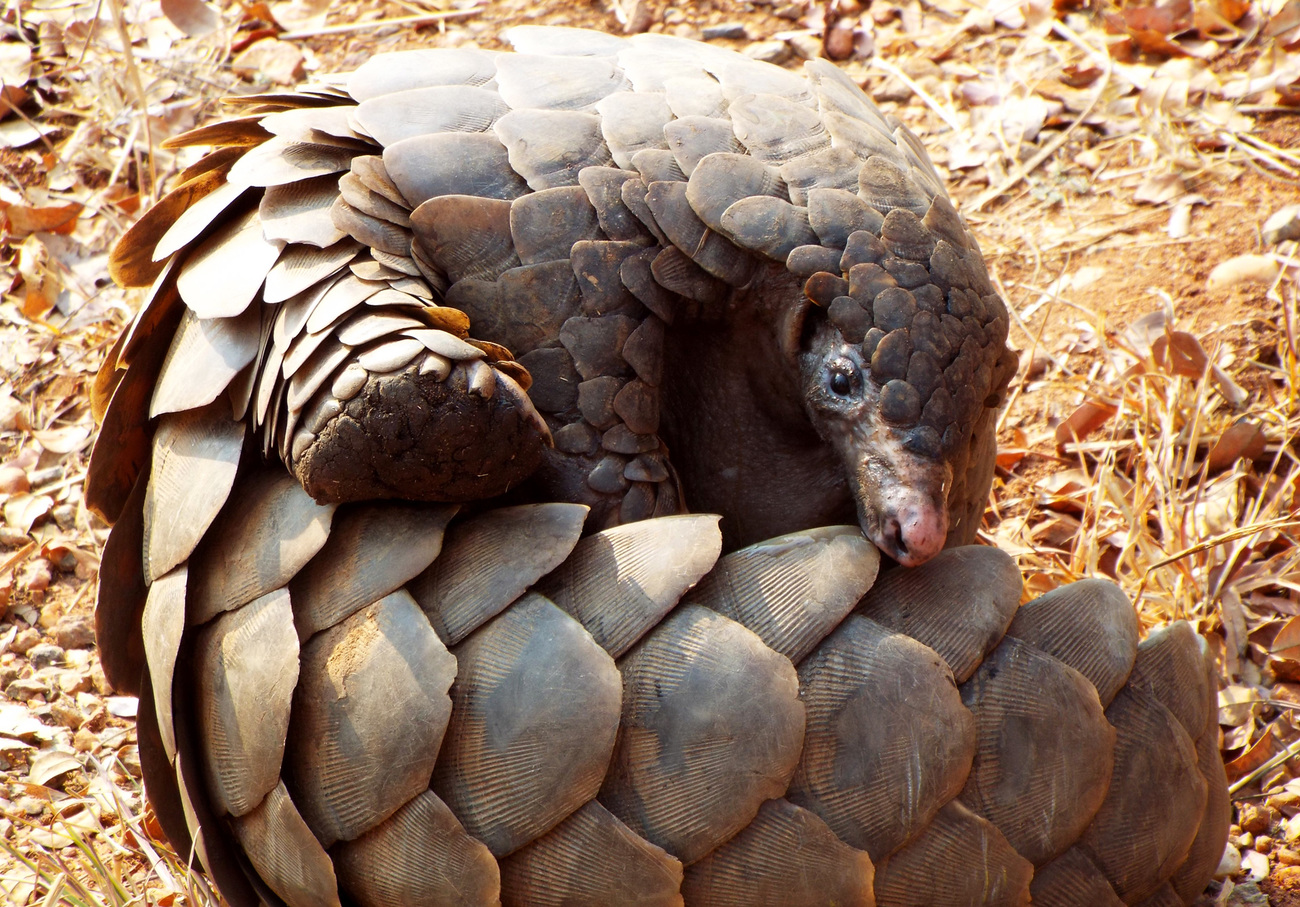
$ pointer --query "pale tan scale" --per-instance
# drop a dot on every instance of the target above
(621, 582)
(420, 856)
(792, 590)
(356, 677)
(247, 667)
(196, 455)
(537, 703)
(207, 283)
(162, 624)
(483, 567)
(285, 853)
(786, 857)
(591, 858)
(373, 550)
(258, 543)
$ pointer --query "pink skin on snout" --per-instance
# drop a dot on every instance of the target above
(903, 513)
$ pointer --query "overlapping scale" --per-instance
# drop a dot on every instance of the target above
(786, 857)
(981, 584)
(591, 858)
(536, 706)
(420, 856)
(687, 776)
(876, 767)
(369, 714)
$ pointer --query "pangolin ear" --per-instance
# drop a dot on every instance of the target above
(793, 326)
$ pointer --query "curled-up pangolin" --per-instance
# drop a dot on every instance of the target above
(414, 331)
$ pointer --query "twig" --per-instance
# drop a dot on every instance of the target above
(930, 100)
(1285, 756)
(378, 23)
(1047, 151)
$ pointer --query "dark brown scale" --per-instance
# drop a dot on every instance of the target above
(824, 288)
(805, 261)
(597, 267)
(868, 279)
(862, 248)
(596, 400)
(891, 357)
(909, 274)
(906, 236)
(850, 318)
(622, 439)
(893, 308)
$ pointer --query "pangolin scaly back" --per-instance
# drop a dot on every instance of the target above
(451, 276)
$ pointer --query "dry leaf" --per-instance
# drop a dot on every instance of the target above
(47, 765)
(1090, 416)
(193, 17)
(23, 510)
(1244, 438)
(300, 15)
(63, 440)
(23, 220)
(15, 63)
(1179, 353)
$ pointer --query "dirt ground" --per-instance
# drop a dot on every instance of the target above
(1117, 163)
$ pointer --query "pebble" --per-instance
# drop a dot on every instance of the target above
(85, 740)
(1263, 844)
(734, 31)
(1257, 818)
(1243, 269)
(45, 656)
(775, 52)
(65, 713)
(1288, 857)
(25, 690)
(1229, 863)
(1284, 224)
(74, 632)
(807, 47)
(25, 640)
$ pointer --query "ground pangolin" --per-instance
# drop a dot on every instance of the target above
(416, 329)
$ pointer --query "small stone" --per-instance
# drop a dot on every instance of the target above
(1257, 818)
(25, 640)
(64, 712)
(1229, 863)
(102, 686)
(270, 60)
(74, 632)
(1286, 802)
(45, 656)
(1288, 857)
(1263, 844)
(74, 682)
(26, 690)
(805, 46)
(792, 11)
(84, 740)
(12, 538)
(1244, 841)
(1283, 225)
(730, 31)
(774, 52)
(30, 806)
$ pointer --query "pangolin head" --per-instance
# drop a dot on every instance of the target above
(898, 360)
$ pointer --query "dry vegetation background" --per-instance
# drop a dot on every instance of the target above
(1132, 171)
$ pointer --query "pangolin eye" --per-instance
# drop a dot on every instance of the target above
(844, 377)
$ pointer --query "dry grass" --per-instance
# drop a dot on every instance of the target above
(1104, 190)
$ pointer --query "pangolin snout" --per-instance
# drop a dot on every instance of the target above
(915, 533)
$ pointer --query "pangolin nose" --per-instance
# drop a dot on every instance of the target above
(917, 533)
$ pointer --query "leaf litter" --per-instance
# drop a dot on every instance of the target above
(1129, 167)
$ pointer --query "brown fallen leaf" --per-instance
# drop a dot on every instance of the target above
(24, 220)
(194, 17)
(1090, 416)
(1180, 353)
(1244, 438)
